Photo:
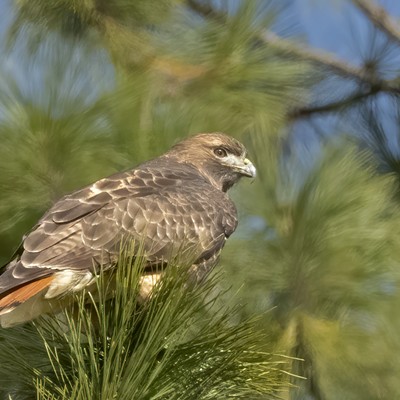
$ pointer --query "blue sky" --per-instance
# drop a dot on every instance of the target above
(330, 24)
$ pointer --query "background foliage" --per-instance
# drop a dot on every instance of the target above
(98, 86)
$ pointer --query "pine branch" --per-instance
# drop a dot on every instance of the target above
(206, 10)
(319, 58)
(334, 106)
(120, 38)
(180, 343)
(380, 18)
(129, 47)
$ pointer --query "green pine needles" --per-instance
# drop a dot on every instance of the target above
(178, 344)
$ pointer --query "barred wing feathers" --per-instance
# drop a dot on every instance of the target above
(163, 203)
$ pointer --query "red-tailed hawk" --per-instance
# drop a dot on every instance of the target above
(175, 200)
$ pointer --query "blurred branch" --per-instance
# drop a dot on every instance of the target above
(380, 18)
(371, 81)
(321, 58)
(140, 52)
(334, 106)
(206, 10)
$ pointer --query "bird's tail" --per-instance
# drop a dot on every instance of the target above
(16, 296)
(20, 301)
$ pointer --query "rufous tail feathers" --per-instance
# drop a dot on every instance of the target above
(21, 294)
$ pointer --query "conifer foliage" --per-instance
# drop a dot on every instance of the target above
(305, 302)
(177, 345)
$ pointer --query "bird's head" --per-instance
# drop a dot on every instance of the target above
(219, 157)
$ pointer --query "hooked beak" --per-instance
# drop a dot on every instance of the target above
(241, 165)
(248, 169)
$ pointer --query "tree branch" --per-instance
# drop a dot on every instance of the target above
(371, 83)
(380, 18)
(320, 58)
(334, 106)
(206, 10)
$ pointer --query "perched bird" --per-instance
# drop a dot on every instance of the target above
(175, 201)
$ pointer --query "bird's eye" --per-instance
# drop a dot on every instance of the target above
(220, 152)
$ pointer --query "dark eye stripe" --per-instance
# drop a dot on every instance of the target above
(236, 150)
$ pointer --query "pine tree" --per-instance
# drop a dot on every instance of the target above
(102, 85)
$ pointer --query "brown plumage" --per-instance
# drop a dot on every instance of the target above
(174, 202)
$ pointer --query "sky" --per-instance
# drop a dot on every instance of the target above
(331, 24)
